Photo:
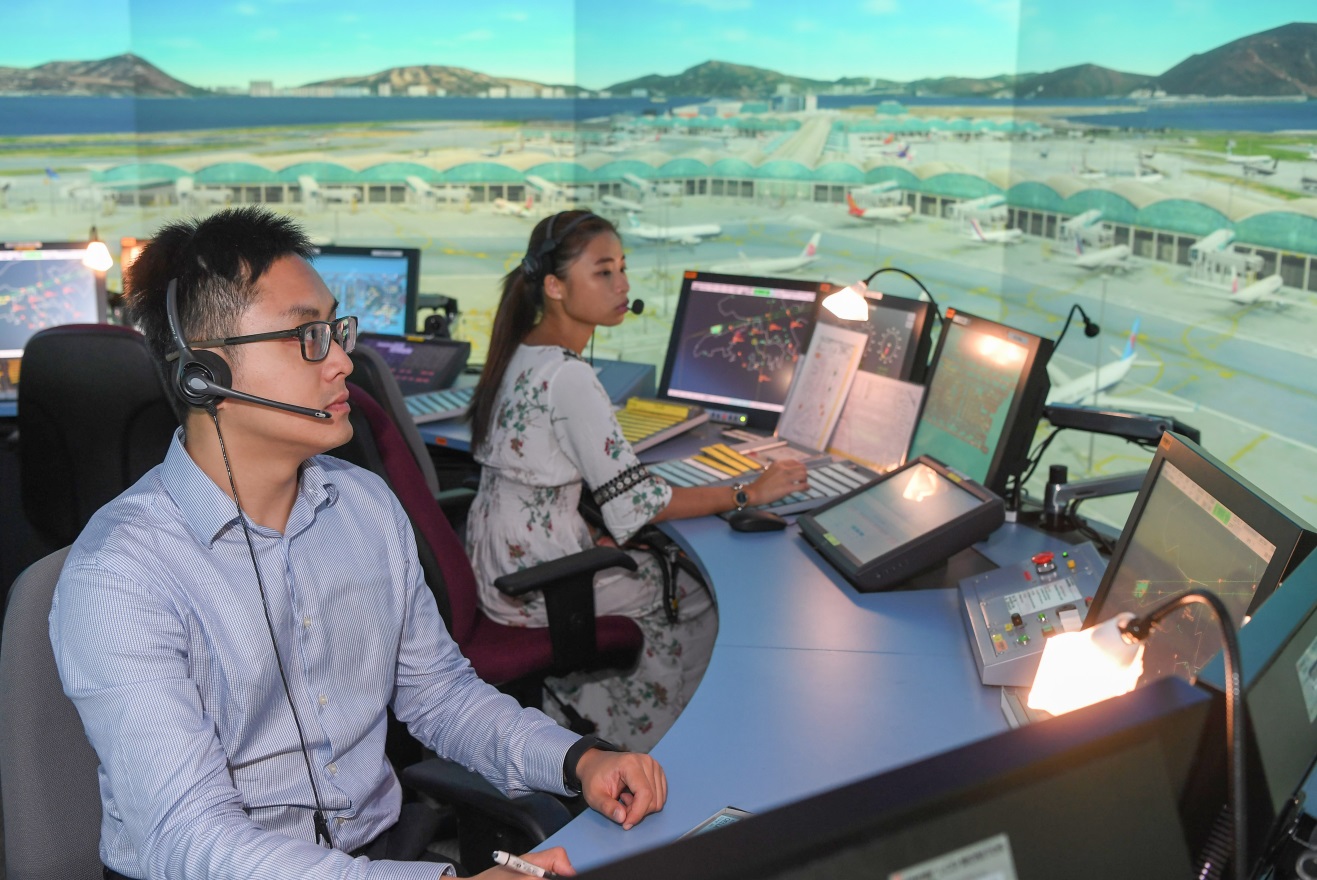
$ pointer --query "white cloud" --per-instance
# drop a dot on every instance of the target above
(1005, 10)
(881, 7)
(477, 35)
(245, 9)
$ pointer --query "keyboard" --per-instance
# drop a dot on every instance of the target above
(828, 479)
(434, 406)
(646, 423)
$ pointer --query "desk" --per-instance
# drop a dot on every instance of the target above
(811, 685)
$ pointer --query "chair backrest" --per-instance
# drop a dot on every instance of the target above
(93, 417)
(371, 373)
(447, 568)
(52, 801)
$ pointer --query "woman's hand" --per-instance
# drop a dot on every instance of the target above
(779, 480)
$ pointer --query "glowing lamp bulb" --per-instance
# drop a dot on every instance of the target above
(849, 303)
(97, 258)
(1086, 667)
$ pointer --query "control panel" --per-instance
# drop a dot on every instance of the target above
(1011, 612)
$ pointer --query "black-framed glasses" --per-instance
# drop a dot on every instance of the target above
(315, 337)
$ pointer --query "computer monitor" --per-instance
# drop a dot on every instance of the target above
(900, 335)
(987, 386)
(420, 364)
(735, 342)
(1196, 523)
(43, 284)
(378, 285)
(1093, 794)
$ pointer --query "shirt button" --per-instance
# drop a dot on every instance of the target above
(324, 700)
(333, 769)
(339, 821)
(306, 623)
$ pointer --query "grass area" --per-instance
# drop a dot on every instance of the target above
(1242, 183)
(1256, 144)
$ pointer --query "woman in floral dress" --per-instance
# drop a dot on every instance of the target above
(543, 431)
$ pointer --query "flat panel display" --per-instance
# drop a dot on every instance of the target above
(418, 364)
(899, 332)
(378, 285)
(984, 398)
(735, 342)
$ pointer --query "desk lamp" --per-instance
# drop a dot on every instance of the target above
(1106, 660)
(849, 303)
(98, 257)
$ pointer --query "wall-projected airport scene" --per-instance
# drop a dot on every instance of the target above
(1155, 164)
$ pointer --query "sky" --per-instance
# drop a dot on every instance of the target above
(596, 43)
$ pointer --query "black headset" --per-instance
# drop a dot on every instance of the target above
(534, 264)
(200, 375)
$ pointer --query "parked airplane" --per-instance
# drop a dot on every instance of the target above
(994, 236)
(556, 191)
(652, 187)
(690, 234)
(874, 189)
(1114, 257)
(185, 189)
(1263, 290)
(970, 207)
(1088, 389)
(516, 209)
(1258, 164)
(897, 213)
(314, 192)
(769, 265)
(1072, 225)
(621, 204)
(428, 193)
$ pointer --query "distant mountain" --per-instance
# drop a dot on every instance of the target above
(121, 75)
(1081, 81)
(963, 87)
(1282, 61)
(458, 81)
(721, 79)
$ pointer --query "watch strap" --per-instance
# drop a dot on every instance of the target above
(570, 780)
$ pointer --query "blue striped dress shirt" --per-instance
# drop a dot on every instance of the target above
(161, 643)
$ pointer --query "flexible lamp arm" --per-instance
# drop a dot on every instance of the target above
(876, 272)
(1140, 628)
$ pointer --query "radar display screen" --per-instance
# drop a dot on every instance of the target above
(736, 343)
(41, 288)
(894, 328)
(1186, 538)
(378, 286)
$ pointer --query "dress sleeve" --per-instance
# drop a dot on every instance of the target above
(584, 425)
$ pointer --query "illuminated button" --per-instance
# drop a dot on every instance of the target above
(998, 643)
(324, 700)
(1023, 639)
(1042, 558)
(1070, 563)
(1088, 600)
(1017, 620)
(1065, 554)
(1027, 576)
(1042, 615)
(1048, 632)
(1009, 627)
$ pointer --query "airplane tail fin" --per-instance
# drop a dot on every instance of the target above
(1129, 343)
(813, 247)
(631, 220)
(1079, 245)
(854, 208)
(978, 230)
(1234, 281)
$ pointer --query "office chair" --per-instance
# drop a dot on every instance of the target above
(371, 373)
(52, 800)
(93, 417)
(514, 659)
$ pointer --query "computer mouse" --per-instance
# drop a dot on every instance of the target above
(750, 520)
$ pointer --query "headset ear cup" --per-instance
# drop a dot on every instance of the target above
(209, 367)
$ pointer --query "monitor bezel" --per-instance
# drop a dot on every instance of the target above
(749, 416)
(916, 368)
(1027, 403)
(102, 298)
(452, 369)
(410, 254)
(860, 574)
(1291, 535)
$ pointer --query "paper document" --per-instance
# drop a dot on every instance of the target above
(878, 421)
(818, 390)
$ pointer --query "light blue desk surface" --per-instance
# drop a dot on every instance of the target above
(811, 685)
(8, 409)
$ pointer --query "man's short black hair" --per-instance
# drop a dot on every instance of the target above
(217, 261)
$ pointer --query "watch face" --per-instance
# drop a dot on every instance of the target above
(742, 499)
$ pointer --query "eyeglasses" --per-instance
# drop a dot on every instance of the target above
(315, 336)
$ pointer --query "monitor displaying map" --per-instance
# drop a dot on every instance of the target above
(378, 285)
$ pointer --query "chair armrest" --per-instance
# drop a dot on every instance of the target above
(568, 587)
(555, 573)
(537, 815)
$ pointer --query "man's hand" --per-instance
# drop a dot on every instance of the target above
(624, 786)
(552, 860)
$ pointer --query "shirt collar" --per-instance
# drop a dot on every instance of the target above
(208, 510)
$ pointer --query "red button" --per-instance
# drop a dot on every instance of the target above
(1042, 558)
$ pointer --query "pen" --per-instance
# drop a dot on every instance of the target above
(523, 866)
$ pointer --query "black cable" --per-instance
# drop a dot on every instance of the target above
(1090, 328)
(318, 819)
(936, 311)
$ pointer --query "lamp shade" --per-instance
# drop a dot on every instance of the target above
(1081, 668)
(849, 303)
(98, 257)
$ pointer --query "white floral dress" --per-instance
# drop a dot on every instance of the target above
(553, 431)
